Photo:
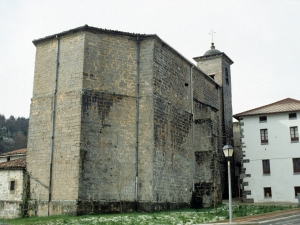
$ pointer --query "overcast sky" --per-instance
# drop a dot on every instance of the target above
(261, 37)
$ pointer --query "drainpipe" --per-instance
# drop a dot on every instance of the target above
(193, 129)
(137, 118)
(53, 123)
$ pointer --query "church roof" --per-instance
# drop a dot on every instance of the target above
(285, 105)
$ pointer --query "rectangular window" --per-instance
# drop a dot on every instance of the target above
(267, 192)
(12, 185)
(264, 136)
(294, 133)
(262, 119)
(292, 116)
(266, 166)
(296, 165)
(226, 75)
(297, 191)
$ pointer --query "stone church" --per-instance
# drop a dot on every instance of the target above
(122, 121)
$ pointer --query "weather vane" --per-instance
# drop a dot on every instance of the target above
(212, 35)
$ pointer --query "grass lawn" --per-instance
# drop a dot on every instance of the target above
(183, 216)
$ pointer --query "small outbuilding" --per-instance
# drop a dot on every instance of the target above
(13, 182)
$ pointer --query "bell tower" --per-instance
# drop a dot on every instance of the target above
(216, 64)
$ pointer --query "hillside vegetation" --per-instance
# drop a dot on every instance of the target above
(13, 133)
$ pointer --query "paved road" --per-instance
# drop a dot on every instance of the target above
(283, 221)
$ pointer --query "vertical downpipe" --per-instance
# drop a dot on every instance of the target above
(229, 187)
(193, 131)
(53, 123)
(137, 118)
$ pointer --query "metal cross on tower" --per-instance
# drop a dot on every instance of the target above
(212, 35)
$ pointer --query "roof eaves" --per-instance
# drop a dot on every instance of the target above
(3, 156)
(263, 113)
(222, 54)
(13, 164)
(92, 29)
(248, 112)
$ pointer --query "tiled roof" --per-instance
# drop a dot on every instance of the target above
(15, 152)
(14, 164)
(285, 105)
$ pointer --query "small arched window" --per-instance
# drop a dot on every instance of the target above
(226, 76)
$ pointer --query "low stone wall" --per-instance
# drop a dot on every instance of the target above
(40, 208)
(10, 209)
(94, 207)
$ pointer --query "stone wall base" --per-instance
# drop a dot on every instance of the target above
(10, 209)
(40, 208)
(248, 200)
(95, 207)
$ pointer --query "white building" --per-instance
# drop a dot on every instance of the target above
(271, 161)
(13, 180)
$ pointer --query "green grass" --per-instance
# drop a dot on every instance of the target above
(183, 216)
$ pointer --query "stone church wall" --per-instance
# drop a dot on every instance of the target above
(39, 134)
(227, 129)
(66, 145)
(207, 107)
(219, 67)
(213, 66)
(172, 180)
(102, 77)
(173, 128)
(208, 179)
(227, 102)
(108, 134)
(216, 66)
(108, 137)
(68, 119)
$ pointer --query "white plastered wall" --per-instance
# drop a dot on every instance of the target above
(6, 176)
(279, 150)
(12, 157)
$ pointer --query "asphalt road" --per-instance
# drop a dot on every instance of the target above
(283, 221)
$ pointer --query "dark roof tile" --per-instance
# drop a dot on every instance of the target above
(14, 164)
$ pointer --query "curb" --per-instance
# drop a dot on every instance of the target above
(238, 223)
(242, 223)
(255, 219)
